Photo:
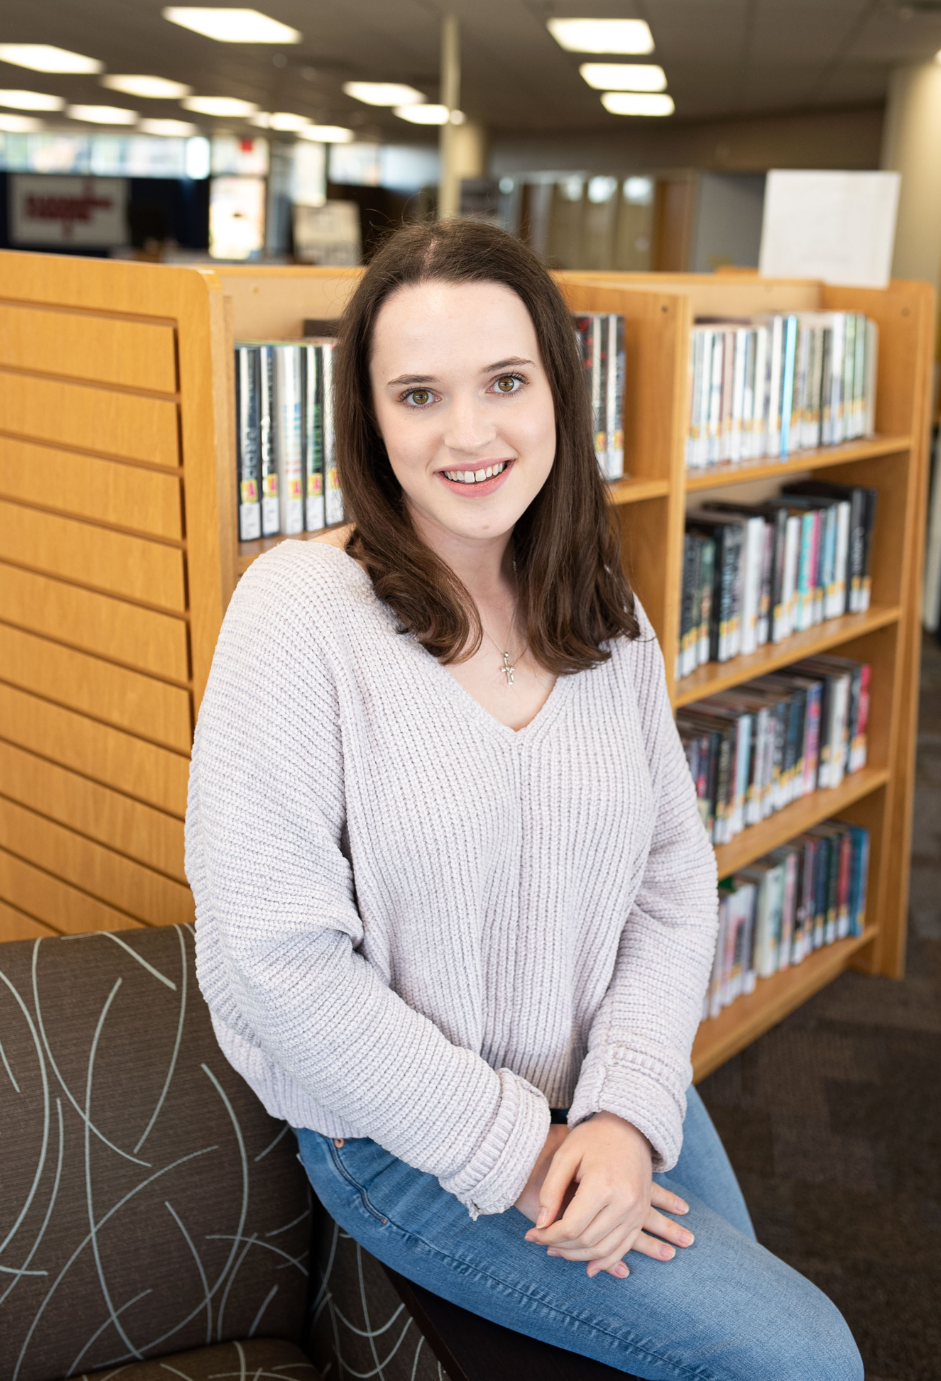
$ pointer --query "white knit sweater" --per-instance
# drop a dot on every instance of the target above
(417, 925)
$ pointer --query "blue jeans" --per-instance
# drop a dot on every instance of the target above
(723, 1309)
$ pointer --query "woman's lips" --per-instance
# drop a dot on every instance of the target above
(480, 488)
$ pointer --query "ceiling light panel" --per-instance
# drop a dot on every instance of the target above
(636, 103)
(102, 114)
(42, 57)
(168, 129)
(30, 100)
(19, 124)
(624, 76)
(150, 88)
(423, 114)
(602, 35)
(285, 121)
(232, 25)
(327, 134)
(226, 107)
(383, 93)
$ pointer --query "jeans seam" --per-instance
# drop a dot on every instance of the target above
(368, 1205)
(642, 1352)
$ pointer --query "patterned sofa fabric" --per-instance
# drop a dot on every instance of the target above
(256, 1359)
(149, 1204)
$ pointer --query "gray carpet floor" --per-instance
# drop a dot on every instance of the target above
(833, 1119)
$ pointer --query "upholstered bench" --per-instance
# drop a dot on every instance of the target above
(154, 1220)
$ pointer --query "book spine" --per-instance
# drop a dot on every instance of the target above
(826, 389)
(812, 738)
(859, 377)
(789, 909)
(617, 368)
(739, 366)
(844, 884)
(837, 343)
(268, 465)
(858, 751)
(333, 494)
(872, 496)
(598, 381)
(708, 586)
(849, 364)
(287, 436)
(249, 468)
(792, 553)
(717, 374)
(314, 514)
(872, 371)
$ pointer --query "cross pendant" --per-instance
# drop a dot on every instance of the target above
(508, 671)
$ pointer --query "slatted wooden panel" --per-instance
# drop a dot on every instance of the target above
(141, 705)
(57, 904)
(16, 925)
(125, 825)
(107, 421)
(80, 345)
(93, 556)
(105, 491)
(143, 771)
(108, 876)
(111, 628)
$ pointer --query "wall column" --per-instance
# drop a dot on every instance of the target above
(449, 184)
(911, 145)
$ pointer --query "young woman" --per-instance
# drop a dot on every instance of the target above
(456, 909)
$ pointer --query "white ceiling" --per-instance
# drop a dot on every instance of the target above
(722, 57)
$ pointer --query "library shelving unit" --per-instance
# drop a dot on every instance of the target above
(118, 554)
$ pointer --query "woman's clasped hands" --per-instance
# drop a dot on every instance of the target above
(592, 1197)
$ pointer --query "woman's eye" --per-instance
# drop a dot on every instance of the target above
(509, 383)
(419, 397)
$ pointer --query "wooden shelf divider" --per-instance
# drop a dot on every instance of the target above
(823, 637)
(744, 471)
(119, 553)
(721, 1037)
(794, 819)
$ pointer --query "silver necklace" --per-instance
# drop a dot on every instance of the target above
(509, 671)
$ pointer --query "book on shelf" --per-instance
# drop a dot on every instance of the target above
(766, 386)
(806, 894)
(600, 337)
(287, 475)
(757, 573)
(755, 748)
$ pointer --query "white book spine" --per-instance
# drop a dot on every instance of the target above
(288, 436)
(837, 364)
(762, 389)
(792, 544)
(714, 449)
(332, 493)
(752, 558)
(776, 375)
(736, 435)
(872, 371)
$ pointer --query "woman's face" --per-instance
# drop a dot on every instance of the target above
(463, 404)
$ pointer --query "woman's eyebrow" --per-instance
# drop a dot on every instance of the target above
(413, 379)
(504, 364)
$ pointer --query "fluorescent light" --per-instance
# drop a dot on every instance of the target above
(423, 114)
(228, 107)
(624, 76)
(30, 100)
(636, 103)
(102, 114)
(286, 122)
(42, 57)
(232, 25)
(168, 129)
(383, 93)
(602, 35)
(151, 88)
(326, 134)
(19, 124)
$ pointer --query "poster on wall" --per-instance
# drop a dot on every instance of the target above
(236, 217)
(68, 211)
(839, 227)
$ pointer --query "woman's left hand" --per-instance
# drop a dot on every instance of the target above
(615, 1208)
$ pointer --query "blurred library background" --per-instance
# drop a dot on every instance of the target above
(741, 202)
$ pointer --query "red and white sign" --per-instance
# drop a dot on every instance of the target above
(47, 210)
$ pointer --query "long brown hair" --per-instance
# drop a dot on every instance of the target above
(573, 594)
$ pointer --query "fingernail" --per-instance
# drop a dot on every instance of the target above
(681, 1207)
(552, 1252)
(687, 1238)
(621, 1270)
(667, 1252)
(542, 1218)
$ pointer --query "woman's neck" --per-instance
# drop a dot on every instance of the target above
(484, 566)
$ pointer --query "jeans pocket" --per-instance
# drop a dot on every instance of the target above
(343, 1170)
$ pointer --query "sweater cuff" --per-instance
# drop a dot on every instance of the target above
(496, 1175)
(613, 1079)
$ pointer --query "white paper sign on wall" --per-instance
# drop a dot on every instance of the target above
(839, 227)
(53, 210)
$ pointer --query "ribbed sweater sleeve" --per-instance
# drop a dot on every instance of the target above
(638, 1061)
(275, 897)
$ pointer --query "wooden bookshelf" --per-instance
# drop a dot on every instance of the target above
(118, 555)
